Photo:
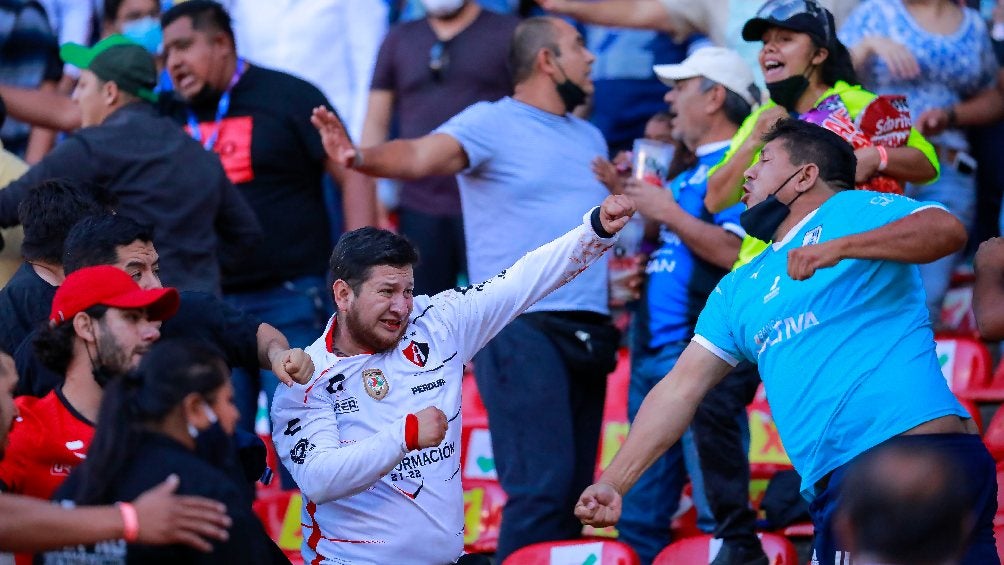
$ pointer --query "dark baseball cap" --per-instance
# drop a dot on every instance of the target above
(118, 59)
(805, 16)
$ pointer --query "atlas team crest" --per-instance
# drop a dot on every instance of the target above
(375, 383)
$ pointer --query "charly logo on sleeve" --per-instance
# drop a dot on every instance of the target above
(375, 383)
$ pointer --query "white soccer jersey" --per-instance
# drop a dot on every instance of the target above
(366, 499)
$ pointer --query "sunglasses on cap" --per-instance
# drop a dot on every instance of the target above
(780, 11)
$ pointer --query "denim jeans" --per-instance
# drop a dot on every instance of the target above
(298, 308)
(957, 192)
(545, 428)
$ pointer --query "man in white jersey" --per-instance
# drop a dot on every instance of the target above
(372, 439)
(833, 314)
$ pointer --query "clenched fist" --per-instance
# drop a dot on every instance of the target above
(432, 426)
(615, 212)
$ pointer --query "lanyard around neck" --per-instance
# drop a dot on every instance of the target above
(221, 111)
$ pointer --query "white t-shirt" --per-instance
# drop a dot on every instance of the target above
(341, 436)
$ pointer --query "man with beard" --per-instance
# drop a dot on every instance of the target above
(427, 71)
(523, 168)
(100, 325)
(372, 439)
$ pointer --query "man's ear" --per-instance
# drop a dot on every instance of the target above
(807, 178)
(343, 295)
(83, 325)
(716, 99)
(110, 93)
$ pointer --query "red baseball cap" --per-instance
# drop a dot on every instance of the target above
(109, 286)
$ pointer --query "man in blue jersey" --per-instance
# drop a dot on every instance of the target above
(833, 315)
(712, 94)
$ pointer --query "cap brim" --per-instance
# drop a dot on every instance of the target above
(755, 28)
(160, 303)
(669, 74)
(77, 55)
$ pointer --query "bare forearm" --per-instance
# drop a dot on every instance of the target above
(663, 417)
(647, 14)
(988, 303)
(40, 108)
(725, 185)
(409, 159)
(908, 164)
(271, 342)
(921, 237)
(41, 525)
(359, 201)
(707, 241)
(986, 107)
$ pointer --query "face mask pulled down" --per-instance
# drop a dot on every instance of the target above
(762, 220)
(442, 8)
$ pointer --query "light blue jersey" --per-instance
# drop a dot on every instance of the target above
(847, 356)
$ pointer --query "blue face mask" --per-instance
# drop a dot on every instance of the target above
(146, 32)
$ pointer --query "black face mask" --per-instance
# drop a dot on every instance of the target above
(786, 92)
(761, 221)
(572, 95)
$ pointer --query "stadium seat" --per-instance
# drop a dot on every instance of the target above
(702, 549)
(767, 455)
(966, 364)
(574, 552)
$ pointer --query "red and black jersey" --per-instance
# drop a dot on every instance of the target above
(47, 441)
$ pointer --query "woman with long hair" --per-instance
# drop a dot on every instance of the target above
(810, 76)
(173, 415)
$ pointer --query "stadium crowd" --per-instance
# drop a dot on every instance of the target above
(391, 227)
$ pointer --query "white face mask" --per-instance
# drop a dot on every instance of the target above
(440, 8)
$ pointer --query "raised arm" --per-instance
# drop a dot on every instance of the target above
(645, 14)
(477, 313)
(48, 109)
(921, 237)
(661, 421)
(435, 154)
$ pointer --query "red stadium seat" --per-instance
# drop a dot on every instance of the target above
(574, 552)
(702, 549)
(966, 365)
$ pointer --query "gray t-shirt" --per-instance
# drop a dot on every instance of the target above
(529, 181)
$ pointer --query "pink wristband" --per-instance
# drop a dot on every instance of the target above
(130, 521)
(883, 157)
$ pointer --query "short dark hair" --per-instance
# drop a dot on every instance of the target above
(206, 15)
(906, 504)
(808, 143)
(95, 239)
(358, 251)
(49, 210)
(54, 342)
(529, 37)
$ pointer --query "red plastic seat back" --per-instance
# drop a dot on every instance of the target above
(966, 365)
(575, 552)
(702, 549)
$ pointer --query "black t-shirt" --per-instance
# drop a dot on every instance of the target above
(25, 303)
(157, 457)
(274, 156)
(201, 316)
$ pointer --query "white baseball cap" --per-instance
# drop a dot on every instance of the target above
(719, 64)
